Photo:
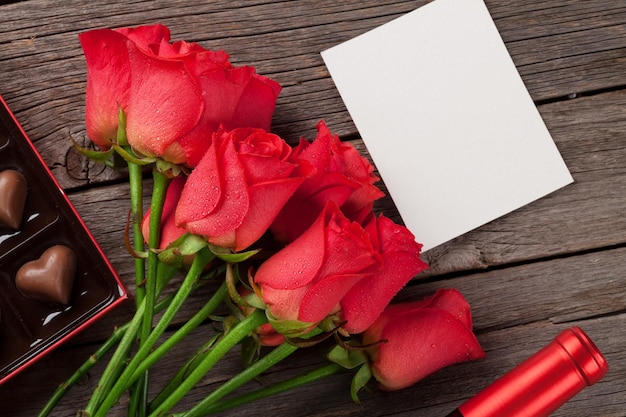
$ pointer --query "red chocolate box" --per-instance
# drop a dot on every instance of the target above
(37, 315)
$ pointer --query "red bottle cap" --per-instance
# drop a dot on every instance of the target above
(543, 382)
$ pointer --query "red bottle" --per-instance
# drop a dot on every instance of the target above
(543, 382)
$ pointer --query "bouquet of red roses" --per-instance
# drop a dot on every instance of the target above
(288, 232)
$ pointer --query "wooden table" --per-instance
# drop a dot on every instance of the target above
(555, 263)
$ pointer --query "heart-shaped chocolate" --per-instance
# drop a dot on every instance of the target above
(13, 189)
(49, 278)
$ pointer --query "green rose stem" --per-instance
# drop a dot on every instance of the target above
(205, 408)
(135, 180)
(93, 359)
(84, 368)
(147, 287)
(114, 367)
(221, 348)
(275, 356)
(136, 205)
(139, 395)
(191, 363)
(201, 259)
(191, 324)
(159, 189)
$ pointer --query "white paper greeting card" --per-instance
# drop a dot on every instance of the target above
(446, 118)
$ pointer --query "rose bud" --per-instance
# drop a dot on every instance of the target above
(338, 268)
(342, 175)
(419, 338)
(305, 281)
(108, 76)
(238, 188)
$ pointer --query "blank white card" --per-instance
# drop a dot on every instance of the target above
(446, 118)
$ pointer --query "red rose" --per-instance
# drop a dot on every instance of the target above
(169, 231)
(306, 280)
(108, 76)
(420, 338)
(401, 261)
(342, 176)
(175, 95)
(337, 267)
(239, 186)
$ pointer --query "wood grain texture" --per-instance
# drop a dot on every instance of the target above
(552, 264)
(516, 311)
(560, 49)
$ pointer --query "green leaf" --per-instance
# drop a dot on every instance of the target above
(347, 358)
(360, 379)
(227, 255)
(253, 300)
(291, 328)
(131, 158)
(98, 156)
(250, 351)
(168, 168)
(190, 244)
(185, 245)
(310, 339)
(232, 279)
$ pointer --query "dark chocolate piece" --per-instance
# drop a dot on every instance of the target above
(13, 189)
(49, 278)
(30, 327)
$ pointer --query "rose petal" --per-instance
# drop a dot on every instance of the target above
(454, 303)
(146, 36)
(108, 83)
(234, 202)
(266, 199)
(165, 102)
(256, 103)
(323, 298)
(420, 343)
(348, 247)
(300, 261)
(368, 298)
(225, 85)
(401, 262)
(202, 191)
(284, 304)
(309, 200)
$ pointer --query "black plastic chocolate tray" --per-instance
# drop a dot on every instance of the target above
(30, 328)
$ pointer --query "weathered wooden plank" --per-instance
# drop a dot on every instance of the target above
(492, 293)
(516, 311)
(562, 49)
(552, 264)
(503, 300)
(560, 290)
